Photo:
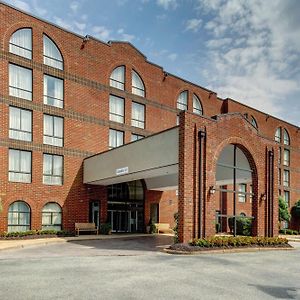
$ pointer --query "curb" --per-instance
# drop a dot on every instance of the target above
(222, 251)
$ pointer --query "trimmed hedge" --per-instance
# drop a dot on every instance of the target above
(288, 231)
(238, 241)
(35, 233)
(243, 225)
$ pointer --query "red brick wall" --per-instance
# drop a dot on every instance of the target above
(226, 129)
(86, 102)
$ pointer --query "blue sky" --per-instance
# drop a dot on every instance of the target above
(246, 50)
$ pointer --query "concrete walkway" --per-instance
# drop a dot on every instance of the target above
(13, 244)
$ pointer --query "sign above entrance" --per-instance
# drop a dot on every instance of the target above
(122, 171)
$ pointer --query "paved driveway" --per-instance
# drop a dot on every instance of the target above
(134, 268)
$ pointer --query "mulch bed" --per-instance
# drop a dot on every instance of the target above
(184, 247)
(32, 237)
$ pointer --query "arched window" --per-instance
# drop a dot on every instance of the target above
(234, 180)
(117, 78)
(20, 43)
(138, 87)
(52, 55)
(51, 216)
(253, 122)
(286, 137)
(182, 101)
(18, 217)
(197, 107)
(278, 135)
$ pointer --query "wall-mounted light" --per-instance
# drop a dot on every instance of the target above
(212, 190)
(263, 197)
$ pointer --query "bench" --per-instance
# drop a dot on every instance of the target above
(163, 228)
(85, 227)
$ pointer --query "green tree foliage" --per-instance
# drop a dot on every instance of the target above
(284, 214)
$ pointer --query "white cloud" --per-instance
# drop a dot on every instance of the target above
(80, 26)
(21, 5)
(193, 24)
(63, 23)
(253, 47)
(74, 6)
(172, 56)
(102, 33)
(167, 4)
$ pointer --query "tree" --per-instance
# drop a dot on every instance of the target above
(284, 214)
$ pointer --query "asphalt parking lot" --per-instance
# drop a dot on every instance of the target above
(135, 268)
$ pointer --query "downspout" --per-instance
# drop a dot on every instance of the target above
(201, 137)
(270, 192)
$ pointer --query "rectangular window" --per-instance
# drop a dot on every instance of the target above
(19, 166)
(53, 130)
(136, 137)
(52, 169)
(53, 91)
(287, 197)
(20, 82)
(251, 192)
(138, 115)
(116, 138)
(286, 178)
(242, 192)
(20, 124)
(116, 109)
(286, 157)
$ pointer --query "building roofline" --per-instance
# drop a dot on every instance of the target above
(259, 111)
(130, 44)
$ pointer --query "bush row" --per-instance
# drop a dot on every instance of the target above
(36, 232)
(289, 231)
(238, 241)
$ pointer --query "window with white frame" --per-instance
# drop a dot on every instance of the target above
(197, 107)
(138, 115)
(286, 137)
(116, 109)
(251, 192)
(286, 178)
(117, 78)
(182, 101)
(136, 137)
(116, 138)
(19, 166)
(20, 43)
(51, 217)
(52, 169)
(18, 217)
(138, 87)
(278, 135)
(20, 82)
(52, 55)
(286, 196)
(20, 124)
(53, 91)
(53, 130)
(242, 192)
(286, 157)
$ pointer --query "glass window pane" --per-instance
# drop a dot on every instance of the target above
(197, 107)
(137, 85)
(20, 82)
(117, 78)
(52, 55)
(116, 109)
(20, 43)
(182, 101)
(138, 115)
(53, 91)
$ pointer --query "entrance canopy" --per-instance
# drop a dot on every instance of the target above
(154, 159)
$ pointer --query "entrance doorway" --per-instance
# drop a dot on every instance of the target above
(125, 210)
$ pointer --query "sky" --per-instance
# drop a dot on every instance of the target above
(245, 50)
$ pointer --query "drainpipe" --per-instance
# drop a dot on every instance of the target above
(201, 138)
(270, 191)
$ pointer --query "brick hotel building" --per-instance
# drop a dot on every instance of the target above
(94, 132)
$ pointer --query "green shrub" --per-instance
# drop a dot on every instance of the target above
(243, 225)
(288, 231)
(105, 228)
(238, 241)
(283, 214)
(36, 233)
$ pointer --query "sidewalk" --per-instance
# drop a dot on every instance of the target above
(14, 244)
(291, 238)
